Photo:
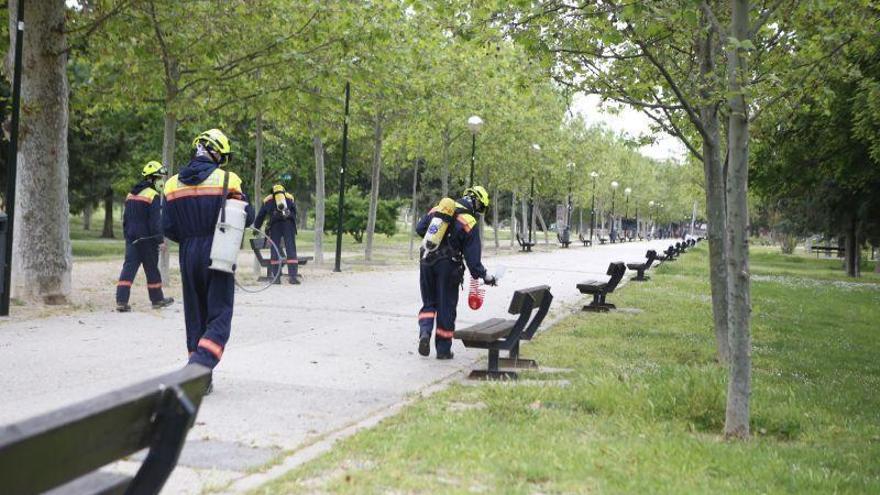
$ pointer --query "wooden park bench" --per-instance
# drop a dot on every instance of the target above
(599, 289)
(640, 268)
(63, 450)
(587, 242)
(498, 334)
(258, 244)
(565, 241)
(523, 244)
(828, 250)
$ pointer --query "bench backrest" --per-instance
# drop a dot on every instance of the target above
(670, 252)
(524, 303)
(258, 243)
(651, 255)
(615, 270)
(47, 451)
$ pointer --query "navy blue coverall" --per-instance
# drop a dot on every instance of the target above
(280, 228)
(441, 272)
(142, 227)
(192, 206)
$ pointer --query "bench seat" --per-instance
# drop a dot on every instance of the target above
(487, 331)
(599, 288)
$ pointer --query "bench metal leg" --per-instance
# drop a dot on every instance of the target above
(514, 361)
(640, 277)
(174, 417)
(492, 373)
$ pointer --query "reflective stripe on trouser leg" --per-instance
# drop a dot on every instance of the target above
(149, 253)
(194, 260)
(129, 270)
(290, 248)
(220, 301)
(447, 286)
(276, 234)
(429, 301)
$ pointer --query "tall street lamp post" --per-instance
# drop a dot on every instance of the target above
(593, 175)
(474, 123)
(626, 192)
(614, 186)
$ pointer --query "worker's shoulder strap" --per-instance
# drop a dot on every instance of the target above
(465, 217)
(268, 198)
(288, 196)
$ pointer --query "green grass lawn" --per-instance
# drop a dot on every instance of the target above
(644, 406)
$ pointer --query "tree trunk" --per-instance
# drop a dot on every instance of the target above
(444, 158)
(739, 305)
(495, 218)
(87, 216)
(107, 232)
(415, 206)
(374, 187)
(41, 253)
(318, 146)
(526, 221)
(258, 176)
(713, 170)
(168, 135)
(851, 247)
(543, 225)
(513, 219)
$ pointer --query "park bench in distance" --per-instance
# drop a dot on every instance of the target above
(587, 242)
(564, 241)
(498, 334)
(602, 240)
(640, 268)
(63, 449)
(828, 250)
(670, 253)
(599, 289)
(258, 244)
(523, 244)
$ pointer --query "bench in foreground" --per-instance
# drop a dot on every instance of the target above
(63, 450)
(600, 289)
(500, 334)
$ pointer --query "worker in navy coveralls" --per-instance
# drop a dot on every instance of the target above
(194, 198)
(280, 207)
(441, 272)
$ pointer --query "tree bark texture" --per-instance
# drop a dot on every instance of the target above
(513, 219)
(415, 207)
(713, 170)
(853, 251)
(41, 252)
(318, 146)
(375, 176)
(444, 157)
(107, 231)
(168, 136)
(495, 218)
(543, 225)
(526, 220)
(258, 176)
(739, 305)
(87, 216)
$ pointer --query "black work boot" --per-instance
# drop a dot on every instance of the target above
(123, 307)
(164, 303)
(445, 355)
(294, 281)
(425, 346)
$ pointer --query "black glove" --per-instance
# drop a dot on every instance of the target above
(490, 280)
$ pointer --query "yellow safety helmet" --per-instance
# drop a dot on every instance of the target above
(215, 140)
(278, 188)
(479, 193)
(154, 168)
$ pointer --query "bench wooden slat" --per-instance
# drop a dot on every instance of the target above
(84, 437)
(487, 331)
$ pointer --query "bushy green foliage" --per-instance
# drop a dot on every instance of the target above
(355, 214)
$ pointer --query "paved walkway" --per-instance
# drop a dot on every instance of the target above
(303, 361)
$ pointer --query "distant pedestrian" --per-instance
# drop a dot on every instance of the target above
(280, 207)
(142, 228)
